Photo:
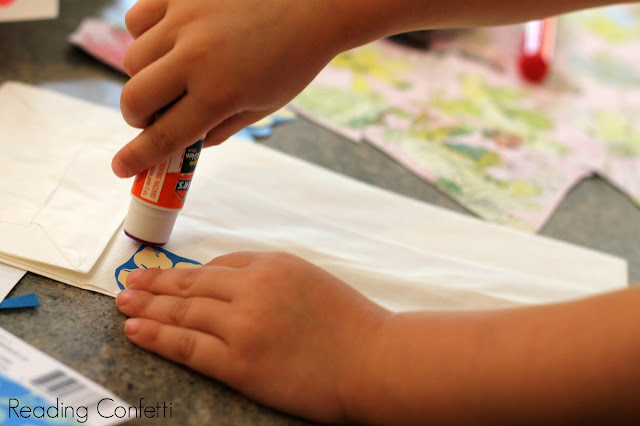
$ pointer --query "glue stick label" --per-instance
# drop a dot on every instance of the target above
(166, 185)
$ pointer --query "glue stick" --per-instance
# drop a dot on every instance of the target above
(158, 195)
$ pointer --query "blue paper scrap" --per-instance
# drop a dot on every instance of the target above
(29, 300)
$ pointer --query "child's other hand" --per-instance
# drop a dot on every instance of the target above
(229, 63)
(271, 325)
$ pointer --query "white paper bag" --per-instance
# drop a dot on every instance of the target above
(60, 204)
(400, 252)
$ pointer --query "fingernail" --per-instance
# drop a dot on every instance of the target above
(132, 326)
(133, 277)
(119, 169)
(123, 297)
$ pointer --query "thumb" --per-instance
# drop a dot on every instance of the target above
(180, 126)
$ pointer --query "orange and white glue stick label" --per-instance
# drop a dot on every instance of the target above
(166, 185)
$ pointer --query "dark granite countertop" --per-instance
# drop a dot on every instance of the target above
(84, 330)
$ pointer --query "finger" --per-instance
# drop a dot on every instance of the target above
(182, 125)
(148, 48)
(238, 259)
(203, 352)
(150, 90)
(143, 15)
(233, 125)
(206, 281)
(197, 313)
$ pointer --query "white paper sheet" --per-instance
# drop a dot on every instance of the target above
(9, 277)
(403, 253)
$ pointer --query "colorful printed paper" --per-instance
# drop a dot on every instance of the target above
(36, 389)
(103, 40)
(461, 117)
(23, 10)
(148, 257)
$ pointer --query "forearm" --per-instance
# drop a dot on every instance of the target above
(360, 21)
(556, 363)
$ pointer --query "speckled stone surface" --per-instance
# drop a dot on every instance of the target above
(84, 330)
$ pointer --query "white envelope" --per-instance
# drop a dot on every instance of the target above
(400, 252)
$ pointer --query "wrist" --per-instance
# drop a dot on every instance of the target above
(352, 23)
(364, 391)
(356, 22)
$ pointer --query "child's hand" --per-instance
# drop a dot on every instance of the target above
(229, 63)
(271, 325)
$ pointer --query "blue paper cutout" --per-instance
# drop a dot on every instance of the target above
(29, 300)
(264, 128)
